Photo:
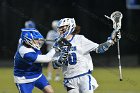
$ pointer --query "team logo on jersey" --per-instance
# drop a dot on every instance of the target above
(73, 48)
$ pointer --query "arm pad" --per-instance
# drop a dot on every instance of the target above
(103, 47)
(45, 58)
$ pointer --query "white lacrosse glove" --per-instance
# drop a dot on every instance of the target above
(115, 35)
(118, 35)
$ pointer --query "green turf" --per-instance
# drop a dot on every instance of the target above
(107, 78)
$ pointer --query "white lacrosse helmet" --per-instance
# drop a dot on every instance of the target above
(70, 22)
(54, 24)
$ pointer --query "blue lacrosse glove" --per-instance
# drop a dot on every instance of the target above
(62, 59)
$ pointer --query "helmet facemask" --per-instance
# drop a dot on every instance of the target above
(61, 30)
(37, 43)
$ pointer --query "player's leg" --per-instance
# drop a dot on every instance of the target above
(49, 69)
(48, 89)
(43, 84)
(71, 86)
(87, 91)
(57, 77)
(25, 88)
(73, 91)
(87, 84)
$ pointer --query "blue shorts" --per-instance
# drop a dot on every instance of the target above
(40, 83)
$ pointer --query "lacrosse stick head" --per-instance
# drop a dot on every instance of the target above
(62, 45)
(116, 17)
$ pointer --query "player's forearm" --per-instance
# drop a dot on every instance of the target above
(104, 46)
(111, 40)
(45, 58)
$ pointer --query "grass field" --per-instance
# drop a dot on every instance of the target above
(106, 77)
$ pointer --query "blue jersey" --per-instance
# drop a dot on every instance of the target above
(24, 65)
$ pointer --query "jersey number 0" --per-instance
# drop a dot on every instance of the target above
(72, 60)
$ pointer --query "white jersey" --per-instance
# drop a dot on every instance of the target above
(80, 61)
(52, 35)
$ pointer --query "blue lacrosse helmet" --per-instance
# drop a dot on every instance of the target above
(29, 24)
(30, 35)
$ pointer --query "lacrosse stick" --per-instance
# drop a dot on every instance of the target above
(116, 17)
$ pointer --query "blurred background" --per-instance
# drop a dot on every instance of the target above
(89, 14)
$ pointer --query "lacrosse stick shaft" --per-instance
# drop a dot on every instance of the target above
(50, 40)
(119, 59)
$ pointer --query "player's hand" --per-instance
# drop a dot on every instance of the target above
(118, 36)
(56, 47)
(63, 57)
(58, 63)
(115, 35)
(62, 44)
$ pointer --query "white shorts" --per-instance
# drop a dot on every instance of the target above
(81, 84)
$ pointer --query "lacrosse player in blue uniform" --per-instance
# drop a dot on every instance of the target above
(77, 66)
(27, 62)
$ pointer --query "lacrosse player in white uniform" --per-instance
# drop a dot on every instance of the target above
(51, 36)
(77, 66)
